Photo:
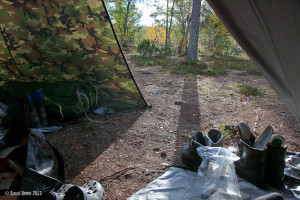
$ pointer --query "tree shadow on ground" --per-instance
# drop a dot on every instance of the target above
(189, 119)
(80, 144)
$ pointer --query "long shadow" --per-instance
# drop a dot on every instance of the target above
(188, 122)
(189, 119)
(82, 143)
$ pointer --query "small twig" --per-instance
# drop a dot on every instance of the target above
(120, 173)
(153, 172)
(137, 142)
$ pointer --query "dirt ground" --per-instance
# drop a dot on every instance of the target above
(130, 150)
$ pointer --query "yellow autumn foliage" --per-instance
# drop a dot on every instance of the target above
(157, 34)
(221, 29)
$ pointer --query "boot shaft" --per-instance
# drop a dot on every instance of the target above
(251, 156)
(275, 164)
(214, 138)
(251, 165)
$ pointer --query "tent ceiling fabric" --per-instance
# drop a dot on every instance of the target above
(58, 40)
(269, 33)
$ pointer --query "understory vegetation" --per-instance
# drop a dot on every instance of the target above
(196, 68)
(209, 65)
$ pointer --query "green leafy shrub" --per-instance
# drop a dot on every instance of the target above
(147, 48)
(165, 51)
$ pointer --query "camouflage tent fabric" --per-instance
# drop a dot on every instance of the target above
(57, 40)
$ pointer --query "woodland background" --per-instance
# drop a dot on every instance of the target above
(173, 28)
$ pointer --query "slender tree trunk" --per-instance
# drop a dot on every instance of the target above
(170, 26)
(125, 23)
(180, 46)
(194, 32)
(167, 24)
(181, 43)
(188, 23)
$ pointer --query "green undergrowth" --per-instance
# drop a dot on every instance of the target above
(208, 65)
(151, 61)
(241, 63)
(195, 68)
(248, 90)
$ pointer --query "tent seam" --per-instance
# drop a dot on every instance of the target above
(11, 54)
(123, 53)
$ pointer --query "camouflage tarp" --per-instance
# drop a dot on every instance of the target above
(58, 40)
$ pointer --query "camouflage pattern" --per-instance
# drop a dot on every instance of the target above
(59, 40)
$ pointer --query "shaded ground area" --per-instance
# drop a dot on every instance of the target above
(127, 151)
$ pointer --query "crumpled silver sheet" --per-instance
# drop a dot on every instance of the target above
(178, 184)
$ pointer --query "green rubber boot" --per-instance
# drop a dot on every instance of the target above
(189, 155)
(275, 165)
(251, 165)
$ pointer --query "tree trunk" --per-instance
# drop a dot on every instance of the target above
(188, 23)
(181, 42)
(183, 25)
(167, 24)
(170, 26)
(124, 42)
(194, 31)
(180, 46)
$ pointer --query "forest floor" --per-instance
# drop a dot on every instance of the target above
(132, 149)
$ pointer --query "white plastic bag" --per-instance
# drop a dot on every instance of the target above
(216, 175)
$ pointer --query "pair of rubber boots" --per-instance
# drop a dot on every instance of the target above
(261, 161)
(91, 190)
(189, 155)
(34, 110)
